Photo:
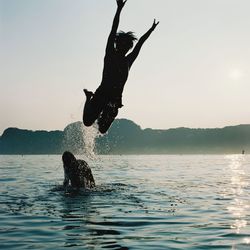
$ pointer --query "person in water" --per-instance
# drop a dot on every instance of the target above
(77, 172)
(107, 99)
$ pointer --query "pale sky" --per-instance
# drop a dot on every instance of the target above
(193, 71)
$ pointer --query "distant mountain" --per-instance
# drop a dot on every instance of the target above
(126, 137)
(20, 141)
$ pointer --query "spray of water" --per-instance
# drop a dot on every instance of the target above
(89, 135)
(81, 140)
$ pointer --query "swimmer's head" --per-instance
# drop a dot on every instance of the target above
(68, 158)
(124, 41)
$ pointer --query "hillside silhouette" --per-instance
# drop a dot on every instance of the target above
(126, 137)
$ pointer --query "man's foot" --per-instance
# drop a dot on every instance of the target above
(88, 94)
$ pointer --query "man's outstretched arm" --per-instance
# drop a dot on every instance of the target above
(133, 55)
(111, 38)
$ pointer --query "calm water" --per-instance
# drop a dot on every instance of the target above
(140, 202)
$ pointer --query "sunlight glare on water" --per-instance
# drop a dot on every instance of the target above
(239, 207)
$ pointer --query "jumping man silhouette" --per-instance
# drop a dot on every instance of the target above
(103, 105)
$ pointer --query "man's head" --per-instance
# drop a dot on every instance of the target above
(124, 41)
(68, 158)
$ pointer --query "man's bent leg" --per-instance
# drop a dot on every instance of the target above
(92, 108)
(88, 114)
(106, 118)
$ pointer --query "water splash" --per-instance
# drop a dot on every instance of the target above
(81, 140)
(73, 140)
(89, 135)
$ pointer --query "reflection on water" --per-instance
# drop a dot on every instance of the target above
(239, 206)
(140, 202)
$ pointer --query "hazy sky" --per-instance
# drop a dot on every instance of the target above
(193, 71)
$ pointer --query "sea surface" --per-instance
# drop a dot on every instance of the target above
(140, 202)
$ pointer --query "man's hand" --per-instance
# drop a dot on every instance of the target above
(154, 24)
(120, 3)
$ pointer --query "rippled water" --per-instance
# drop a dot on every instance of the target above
(140, 202)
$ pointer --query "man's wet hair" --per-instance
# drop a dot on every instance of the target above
(127, 37)
(68, 158)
